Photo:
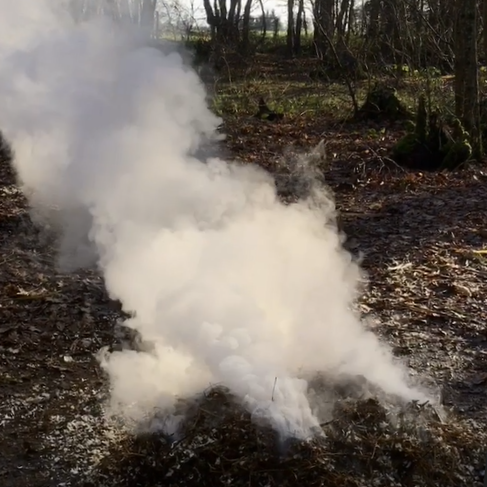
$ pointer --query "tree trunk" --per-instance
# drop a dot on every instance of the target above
(351, 20)
(223, 22)
(390, 41)
(246, 27)
(147, 15)
(374, 26)
(290, 27)
(467, 106)
(299, 28)
(484, 22)
(342, 18)
(323, 25)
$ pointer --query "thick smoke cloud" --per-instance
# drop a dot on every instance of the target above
(231, 286)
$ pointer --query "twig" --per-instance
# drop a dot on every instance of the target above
(383, 159)
(375, 448)
(274, 388)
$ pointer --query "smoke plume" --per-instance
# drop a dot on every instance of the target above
(231, 286)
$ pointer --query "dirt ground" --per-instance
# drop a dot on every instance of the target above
(422, 239)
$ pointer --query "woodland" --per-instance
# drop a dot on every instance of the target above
(394, 92)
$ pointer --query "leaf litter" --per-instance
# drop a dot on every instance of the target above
(421, 239)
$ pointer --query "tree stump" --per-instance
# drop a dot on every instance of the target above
(431, 145)
(265, 113)
(382, 103)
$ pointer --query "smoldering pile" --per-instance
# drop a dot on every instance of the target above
(365, 441)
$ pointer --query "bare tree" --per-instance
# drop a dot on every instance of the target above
(223, 20)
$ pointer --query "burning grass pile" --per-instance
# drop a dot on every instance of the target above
(365, 443)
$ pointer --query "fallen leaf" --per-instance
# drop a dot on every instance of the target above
(463, 290)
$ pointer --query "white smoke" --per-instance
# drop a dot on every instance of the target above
(232, 286)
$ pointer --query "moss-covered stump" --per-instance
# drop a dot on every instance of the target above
(458, 150)
(265, 113)
(382, 103)
(431, 145)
